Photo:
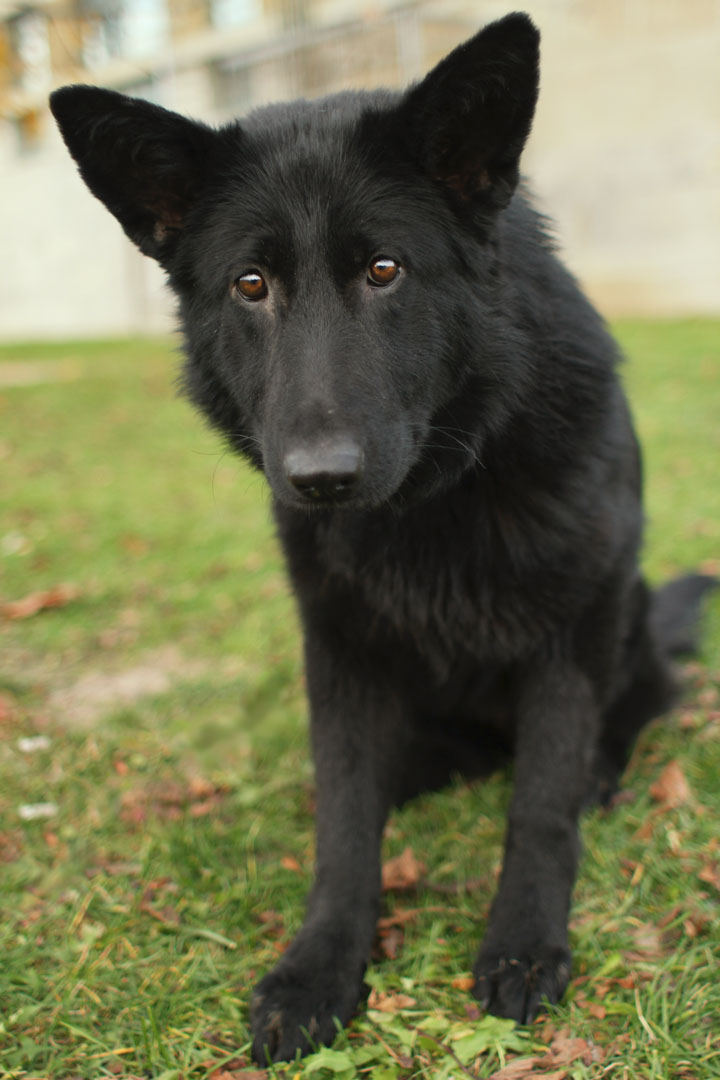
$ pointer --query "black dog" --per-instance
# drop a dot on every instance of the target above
(374, 316)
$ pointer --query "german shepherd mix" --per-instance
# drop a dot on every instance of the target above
(373, 315)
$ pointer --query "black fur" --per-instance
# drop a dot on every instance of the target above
(455, 476)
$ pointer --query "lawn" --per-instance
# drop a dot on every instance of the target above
(155, 786)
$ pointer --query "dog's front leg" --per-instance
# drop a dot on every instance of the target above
(525, 956)
(356, 733)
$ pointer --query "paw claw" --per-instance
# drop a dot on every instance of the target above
(294, 1010)
(516, 987)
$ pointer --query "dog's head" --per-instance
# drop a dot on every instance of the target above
(335, 263)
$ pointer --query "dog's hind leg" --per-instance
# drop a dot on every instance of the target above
(664, 625)
(360, 734)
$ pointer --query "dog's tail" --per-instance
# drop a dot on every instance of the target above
(675, 612)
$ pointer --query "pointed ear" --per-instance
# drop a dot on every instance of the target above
(147, 165)
(472, 114)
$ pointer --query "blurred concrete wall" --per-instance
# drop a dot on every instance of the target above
(625, 153)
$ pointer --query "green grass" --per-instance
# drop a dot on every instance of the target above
(136, 918)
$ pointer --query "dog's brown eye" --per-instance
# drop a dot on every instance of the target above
(251, 285)
(383, 271)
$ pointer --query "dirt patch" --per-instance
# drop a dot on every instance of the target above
(96, 693)
(36, 372)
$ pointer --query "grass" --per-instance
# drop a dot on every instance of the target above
(172, 866)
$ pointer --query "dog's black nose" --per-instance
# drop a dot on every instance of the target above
(327, 472)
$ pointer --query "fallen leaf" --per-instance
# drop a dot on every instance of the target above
(669, 916)
(647, 829)
(519, 1068)
(463, 982)
(402, 872)
(390, 942)
(648, 940)
(29, 605)
(389, 1002)
(290, 863)
(399, 917)
(226, 1069)
(564, 1051)
(239, 1074)
(7, 709)
(10, 846)
(710, 874)
(547, 1031)
(695, 924)
(166, 915)
(599, 1012)
(671, 788)
(200, 788)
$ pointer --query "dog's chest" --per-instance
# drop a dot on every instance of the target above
(448, 587)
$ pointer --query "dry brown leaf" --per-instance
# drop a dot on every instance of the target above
(519, 1068)
(166, 915)
(10, 846)
(669, 916)
(29, 605)
(710, 874)
(463, 982)
(200, 788)
(388, 1002)
(8, 709)
(647, 828)
(402, 872)
(399, 917)
(291, 863)
(648, 941)
(273, 923)
(599, 1012)
(390, 941)
(564, 1051)
(695, 924)
(671, 788)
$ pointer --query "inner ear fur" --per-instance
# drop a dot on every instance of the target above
(146, 164)
(472, 114)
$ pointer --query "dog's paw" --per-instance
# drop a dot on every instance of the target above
(296, 1008)
(516, 985)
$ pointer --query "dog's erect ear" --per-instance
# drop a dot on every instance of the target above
(470, 116)
(146, 164)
